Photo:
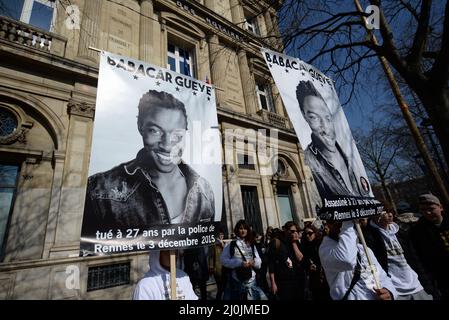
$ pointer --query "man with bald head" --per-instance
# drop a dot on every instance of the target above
(331, 168)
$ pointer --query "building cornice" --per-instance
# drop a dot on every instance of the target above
(199, 15)
(81, 108)
(30, 264)
(49, 63)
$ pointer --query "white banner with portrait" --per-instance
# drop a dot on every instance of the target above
(324, 134)
(155, 167)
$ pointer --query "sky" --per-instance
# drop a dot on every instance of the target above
(371, 90)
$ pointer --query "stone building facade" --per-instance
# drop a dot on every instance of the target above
(48, 79)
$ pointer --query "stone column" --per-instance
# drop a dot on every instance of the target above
(226, 200)
(238, 17)
(218, 67)
(270, 29)
(90, 29)
(74, 179)
(58, 160)
(308, 190)
(228, 161)
(248, 83)
(267, 194)
(277, 100)
(203, 61)
(164, 43)
(146, 30)
(210, 4)
(299, 209)
(275, 218)
(234, 192)
(275, 23)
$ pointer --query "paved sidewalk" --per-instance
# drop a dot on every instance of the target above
(211, 289)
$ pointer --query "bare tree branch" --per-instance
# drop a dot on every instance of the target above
(419, 42)
(410, 9)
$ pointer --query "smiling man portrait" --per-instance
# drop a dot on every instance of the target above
(331, 167)
(156, 187)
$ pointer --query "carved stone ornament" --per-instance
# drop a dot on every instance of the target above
(294, 187)
(13, 126)
(81, 108)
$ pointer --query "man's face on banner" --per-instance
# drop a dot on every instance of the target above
(320, 121)
(163, 132)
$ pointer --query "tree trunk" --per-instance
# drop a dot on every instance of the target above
(388, 194)
(436, 103)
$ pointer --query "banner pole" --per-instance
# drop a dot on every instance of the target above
(95, 49)
(173, 275)
(365, 247)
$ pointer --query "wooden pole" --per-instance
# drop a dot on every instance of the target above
(95, 49)
(408, 116)
(365, 247)
(173, 275)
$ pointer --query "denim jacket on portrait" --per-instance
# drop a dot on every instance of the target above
(327, 178)
(125, 197)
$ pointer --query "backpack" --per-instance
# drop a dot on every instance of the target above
(227, 271)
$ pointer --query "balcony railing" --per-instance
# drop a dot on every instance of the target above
(24, 34)
(273, 118)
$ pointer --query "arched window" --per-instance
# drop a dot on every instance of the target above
(8, 122)
(8, 183)
(281, 168)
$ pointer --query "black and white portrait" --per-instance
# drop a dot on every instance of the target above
(155, 187)
(323, 131)
(332, 170)
(155, 158)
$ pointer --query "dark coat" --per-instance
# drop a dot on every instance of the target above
(432, 246)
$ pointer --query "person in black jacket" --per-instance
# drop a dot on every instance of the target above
(285, 264)
(406, 220)
(430, 237)
(196, 266)
(310, 245)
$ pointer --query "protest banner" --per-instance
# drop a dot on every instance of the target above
(155, 169)
(324, 134)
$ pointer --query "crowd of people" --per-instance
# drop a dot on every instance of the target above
(405, 258)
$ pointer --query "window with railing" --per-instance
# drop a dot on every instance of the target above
(102, 277)
(38, 13)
